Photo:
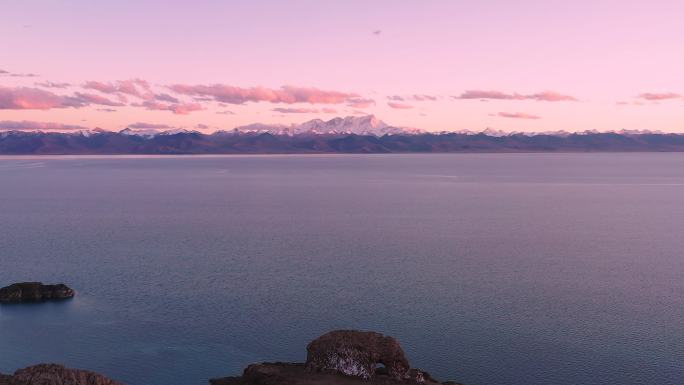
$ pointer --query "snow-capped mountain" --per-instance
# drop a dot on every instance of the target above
(151, 132)
(359, 125)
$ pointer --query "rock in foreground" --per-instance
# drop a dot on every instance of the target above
(342, 357)
(53, 374)
(34, 292)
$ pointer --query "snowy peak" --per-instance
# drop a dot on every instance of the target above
(359, 125)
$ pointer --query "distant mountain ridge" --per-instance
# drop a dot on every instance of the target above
(365, 134)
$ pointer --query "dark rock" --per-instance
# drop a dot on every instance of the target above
(343, 357)
(356, 353)
(53, 374)
(34, 292)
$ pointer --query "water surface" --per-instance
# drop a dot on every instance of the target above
(489, 268)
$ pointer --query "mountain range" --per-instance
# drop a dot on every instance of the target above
(365, 134)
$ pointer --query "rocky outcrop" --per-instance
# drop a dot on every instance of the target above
(53, 374)
(342, 357)
(34, 292)
(356, 353)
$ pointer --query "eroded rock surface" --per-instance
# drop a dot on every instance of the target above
(34, 292)
(342, 357)
(53, 374)
(356, 353)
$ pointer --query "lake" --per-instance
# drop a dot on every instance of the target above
(489, 268)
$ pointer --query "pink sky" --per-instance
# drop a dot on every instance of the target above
(435, 65)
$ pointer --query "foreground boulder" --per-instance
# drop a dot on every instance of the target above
(356, 353)
(34, 292)
(53, 374)
(342, 357)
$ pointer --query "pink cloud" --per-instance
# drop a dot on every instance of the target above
(152, 126)
(24, 75)
(30, 125)
(23, 98)
(285, 94)
(295, 110)
(176, 108)
(134, 87)
(414, 97)
(166, 98)
(360, 103)
(329, 110)
(53, 85)
(659, 96)
(96, 99)
(398, 105)
(546, 96)
(421, 98)
(517, 115)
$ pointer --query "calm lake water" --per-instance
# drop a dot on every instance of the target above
(489, 268)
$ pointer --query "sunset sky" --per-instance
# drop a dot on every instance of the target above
(434, 65)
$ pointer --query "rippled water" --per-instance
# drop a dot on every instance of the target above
(490, 269)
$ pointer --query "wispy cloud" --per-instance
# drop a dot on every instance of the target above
(176, 108)
(545, 96)
(48, 84)
(295, 110)
(401, 106)
(148, 126)
(414, 97)
(360, 103)
(659, 95)
(31, 125)
(285, 94)
(24, 75)
(517, 115)
(87, 98)
(24, 98)
(134, 87)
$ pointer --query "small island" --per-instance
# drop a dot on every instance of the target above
(340, 357)
(53, 374)
(34, 292)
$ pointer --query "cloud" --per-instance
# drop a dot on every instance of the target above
(421, 98)
(517, 115)
(96, 99)
(295, 110)
(546, 96)
(225, 112)
(377, 32)
(3, 72)
(414, 97)
(24, 98)
(148, 126)
(107, 109)
(360, 103)
(53, 85)
(166, 98)
(176, 108)
(328, 110)
(285, 94)
(401, 106)
(134, 87)
(30, 125)
(201, 126)
(659, 96)
(24, 75)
